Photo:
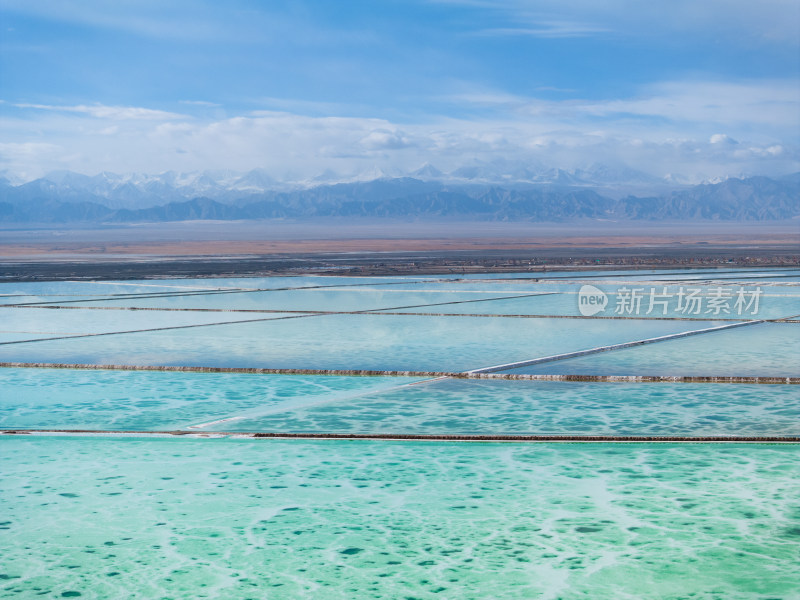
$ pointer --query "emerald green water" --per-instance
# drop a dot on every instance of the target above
(131, 400)
(225, 517)
(539, 407)
(141, 400)
(114, 518)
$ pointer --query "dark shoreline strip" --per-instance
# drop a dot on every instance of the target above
(636, 272)
(427, 374)
(421, 437)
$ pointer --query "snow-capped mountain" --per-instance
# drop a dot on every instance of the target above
(479, 191)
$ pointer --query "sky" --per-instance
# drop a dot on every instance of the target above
(692, 90)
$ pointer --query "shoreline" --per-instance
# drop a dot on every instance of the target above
(413, 257)
(364, 247)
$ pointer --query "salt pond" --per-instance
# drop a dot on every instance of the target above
(110, 518)
(225, 517)
(129, 400)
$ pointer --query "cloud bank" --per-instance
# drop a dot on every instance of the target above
(687, 89)
(692, 130)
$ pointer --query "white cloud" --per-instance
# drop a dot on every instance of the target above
(548, 29)
(721, 138)
(203, 103)
(383, 139)
(101, 111)
(23, 161)
(766, 108)
(775, 150)
(744, 20)
(110, 130)
(669, 128)
(763, 103)
(176, 19)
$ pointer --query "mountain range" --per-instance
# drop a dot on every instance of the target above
(473, 193)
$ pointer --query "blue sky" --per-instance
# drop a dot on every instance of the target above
(694, 89)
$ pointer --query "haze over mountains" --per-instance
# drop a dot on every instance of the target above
(481, 192)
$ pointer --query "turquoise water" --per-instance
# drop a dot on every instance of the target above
(130, 400)
(513, 407)
(113, 518)
(225, 517)
(125, 400)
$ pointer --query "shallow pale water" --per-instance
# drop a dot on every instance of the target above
(338, 293)
(768, 349)
(59, 322)
(326, 299)
(49, 291)
(350, 342)
(20, 335)
(108, 518)
(562, 299)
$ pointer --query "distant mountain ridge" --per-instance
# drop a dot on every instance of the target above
(107, 198)
(137, 190)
